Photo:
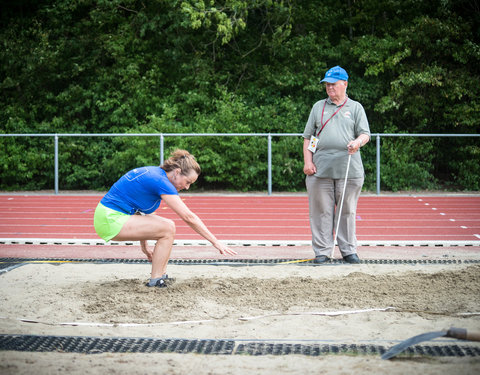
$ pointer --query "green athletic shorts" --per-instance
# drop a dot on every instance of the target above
(108, 222)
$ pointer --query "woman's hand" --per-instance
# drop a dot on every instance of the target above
(148, 253)
(224, 249)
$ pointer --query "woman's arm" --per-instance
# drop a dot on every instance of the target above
(181, 209)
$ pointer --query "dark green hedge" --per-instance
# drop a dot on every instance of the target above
(233, 66)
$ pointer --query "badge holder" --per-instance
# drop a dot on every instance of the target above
(313, 144)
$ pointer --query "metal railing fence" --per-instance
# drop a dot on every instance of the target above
(269, 136)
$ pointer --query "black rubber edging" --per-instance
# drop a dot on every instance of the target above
(8, 266)
(5, 262)
(97, 345)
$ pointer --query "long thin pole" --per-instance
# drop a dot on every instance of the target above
(162, 141)
(269, 166)
(341, 205)
(56, 164)
(378, 164)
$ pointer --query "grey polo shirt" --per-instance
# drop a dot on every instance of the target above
(331, 155)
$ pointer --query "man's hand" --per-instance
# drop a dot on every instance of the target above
(309, 168)
(354, 146)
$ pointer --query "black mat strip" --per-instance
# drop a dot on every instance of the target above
(353, 349)
(235, 262)
(8, 266)
(95, 345)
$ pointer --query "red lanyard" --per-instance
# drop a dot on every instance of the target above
(323, 110)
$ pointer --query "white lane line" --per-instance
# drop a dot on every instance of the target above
(243, 242)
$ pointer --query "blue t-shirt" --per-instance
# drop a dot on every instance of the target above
(139, 190)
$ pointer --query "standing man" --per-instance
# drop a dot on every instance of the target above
(337, 126)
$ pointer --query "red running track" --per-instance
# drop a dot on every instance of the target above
(254, 218)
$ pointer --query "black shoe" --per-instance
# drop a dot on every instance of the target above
(352, 258)
(169, 280)
(321, 259)
(159, 284)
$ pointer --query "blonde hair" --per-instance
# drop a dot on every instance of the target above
(181, 159)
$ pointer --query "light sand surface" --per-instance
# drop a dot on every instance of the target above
(256, 302)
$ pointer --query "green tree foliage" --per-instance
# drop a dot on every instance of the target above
(233, 66)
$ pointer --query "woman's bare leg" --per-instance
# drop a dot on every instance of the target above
(161, 255)
(151, 227)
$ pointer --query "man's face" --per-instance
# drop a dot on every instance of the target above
(337, 89)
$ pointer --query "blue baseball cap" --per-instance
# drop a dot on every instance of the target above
(335, 74)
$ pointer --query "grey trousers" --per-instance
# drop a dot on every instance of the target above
(323, 196)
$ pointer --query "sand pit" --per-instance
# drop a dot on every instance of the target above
(278, 303)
